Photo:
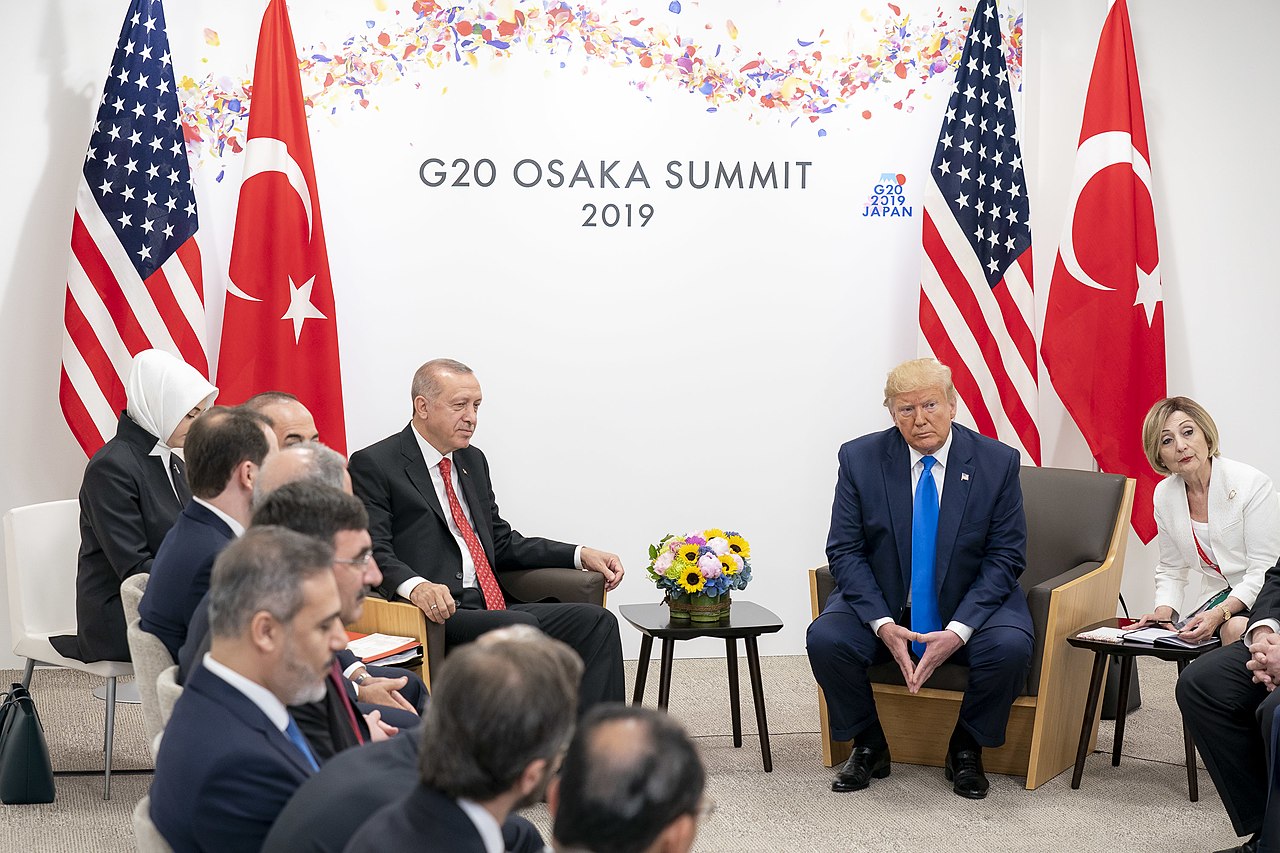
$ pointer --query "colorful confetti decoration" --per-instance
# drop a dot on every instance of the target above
(809, 83)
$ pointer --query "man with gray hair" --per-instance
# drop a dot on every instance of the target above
(500, 717)
(443, 546)
(308, 460)
(631, 782)
(232, 755)
(927, 541)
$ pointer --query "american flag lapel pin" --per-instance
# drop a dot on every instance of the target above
(963, 477)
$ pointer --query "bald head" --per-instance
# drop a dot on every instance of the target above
(307, 461)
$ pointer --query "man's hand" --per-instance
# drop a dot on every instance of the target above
(609, 565)
(385, 691)
(897, 640)
(1264, 660)
(379, 730)
(938, 646)
(435, 600)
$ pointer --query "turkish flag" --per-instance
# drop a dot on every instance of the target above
(280, 326)
(1103, 339)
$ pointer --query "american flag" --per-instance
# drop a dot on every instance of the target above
(134, 279)
(976, 302)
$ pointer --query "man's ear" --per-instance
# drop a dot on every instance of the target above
(678, 835)
(553, 796)
(246, 473)
(265, 632)
(534, 772)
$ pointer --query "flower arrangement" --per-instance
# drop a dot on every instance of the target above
(707, 562)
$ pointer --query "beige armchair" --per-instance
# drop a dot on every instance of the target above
(401, 619)
(1077, 531)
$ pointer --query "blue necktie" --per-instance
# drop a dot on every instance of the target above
(924, 549)
(295, 734)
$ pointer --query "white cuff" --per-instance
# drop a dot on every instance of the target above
(409, 586)
(877, 624)
(577, 557)
(961, 630)
(1270, 623)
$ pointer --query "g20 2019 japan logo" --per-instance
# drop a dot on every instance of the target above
(887, 197)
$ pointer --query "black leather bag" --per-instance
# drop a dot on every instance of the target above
(26, 775)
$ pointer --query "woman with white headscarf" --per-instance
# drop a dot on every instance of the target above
(133, 489)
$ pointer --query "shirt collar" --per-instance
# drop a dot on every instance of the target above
(940, 454)
(486, 824)
(266, 701)
(237, 529)
(429, 454)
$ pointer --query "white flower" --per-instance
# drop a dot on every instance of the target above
(719, 545)
(709, 562)
(664, 561)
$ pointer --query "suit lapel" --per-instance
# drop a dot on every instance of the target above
(243, 708)
(896, 469)
(415, 468)
(957, 480)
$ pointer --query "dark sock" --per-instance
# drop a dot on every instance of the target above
(872, 736)
(961, 739)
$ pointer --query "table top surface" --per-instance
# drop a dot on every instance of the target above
(745, 619)
(1134, 649)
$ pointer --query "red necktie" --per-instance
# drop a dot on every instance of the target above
(339, 681)
(493, 599)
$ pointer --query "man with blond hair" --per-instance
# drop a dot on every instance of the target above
(927, 541)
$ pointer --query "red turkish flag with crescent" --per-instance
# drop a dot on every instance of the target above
(280, 327)
(1103, 339)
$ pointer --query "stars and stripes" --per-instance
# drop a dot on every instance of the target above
(134, 280)
(976, 302)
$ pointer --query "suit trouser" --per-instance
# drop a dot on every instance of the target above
(842, 647)
(590, 630)
(1219, 702)
(1269, 727)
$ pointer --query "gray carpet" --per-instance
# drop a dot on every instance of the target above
(1142, 804)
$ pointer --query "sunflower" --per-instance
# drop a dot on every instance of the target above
(739, 546)
(713, 533)
(691, 580)
(728, 565)
(688, 553)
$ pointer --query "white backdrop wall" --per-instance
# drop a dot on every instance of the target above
(590, 345)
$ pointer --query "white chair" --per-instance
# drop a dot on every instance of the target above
(168, 690)
(148, 838)
(150, 658)
(41, 542)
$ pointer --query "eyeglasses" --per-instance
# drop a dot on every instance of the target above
(361, 560)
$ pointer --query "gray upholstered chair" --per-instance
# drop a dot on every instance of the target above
(150, 658)
(167, 692)
(148, 838)
(528, 586)
(1077, 531)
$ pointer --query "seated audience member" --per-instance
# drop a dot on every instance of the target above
(500, 718)
(290, 419)
(1214, 514)
(133, 489)
(231, 755)
(224, 450)
(631, 782)
(439, 538)
(359, 704)
(310, 461)
(1228, 701)
(926, 579)
(326, 811)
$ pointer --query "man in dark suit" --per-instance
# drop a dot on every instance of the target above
(1228, 702)
(224, 449)
(631, 782)
(927, 541)
(441, 543)
(231, 755)
(500, 717)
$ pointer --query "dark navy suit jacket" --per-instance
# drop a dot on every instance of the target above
(424, 820)
(224, 772)
(982, 532)
(180, 573)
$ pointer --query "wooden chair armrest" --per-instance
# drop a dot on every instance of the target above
(401, 619)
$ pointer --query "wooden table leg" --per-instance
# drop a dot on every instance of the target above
(757, 690)
(735, 710)
(1090, 708)
(642, 669)
(1193, 783)
(664, 677)
(1122, 707)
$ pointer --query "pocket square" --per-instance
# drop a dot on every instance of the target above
(964, 477)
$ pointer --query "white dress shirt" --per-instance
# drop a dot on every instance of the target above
(432, 458)
(486, 824)
(939, 472)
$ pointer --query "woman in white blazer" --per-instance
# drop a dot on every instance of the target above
(1214, 515)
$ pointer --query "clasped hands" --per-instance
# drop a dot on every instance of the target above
(938, 646)
(1264, 657)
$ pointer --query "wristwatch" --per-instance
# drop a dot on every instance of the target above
(359, 679)
(1226, 613)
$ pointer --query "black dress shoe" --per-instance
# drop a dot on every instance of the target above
(964, 768)
(1250, 846)
(865, 764)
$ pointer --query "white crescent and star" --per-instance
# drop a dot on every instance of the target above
(1097, 153)
(264, 154)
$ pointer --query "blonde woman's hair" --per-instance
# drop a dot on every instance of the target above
(1154, 424)
(917, 374)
